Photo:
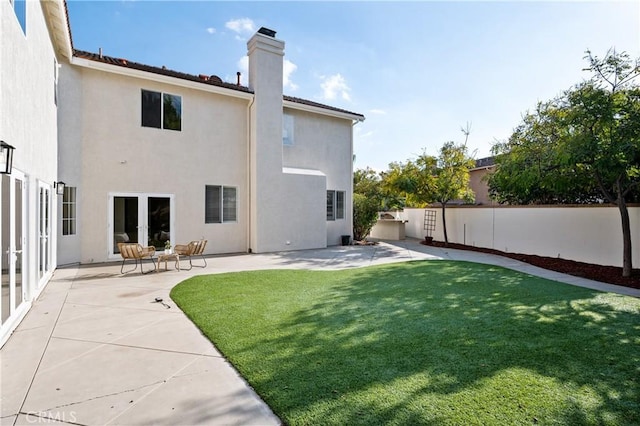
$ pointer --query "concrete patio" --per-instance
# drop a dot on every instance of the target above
(96, 348)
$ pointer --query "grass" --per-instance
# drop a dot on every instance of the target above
(433, 342)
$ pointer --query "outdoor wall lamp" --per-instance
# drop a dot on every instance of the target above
(59, 187)
(6, 158)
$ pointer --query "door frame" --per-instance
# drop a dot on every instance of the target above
(47, 272)
(143, 215)
(16, 311)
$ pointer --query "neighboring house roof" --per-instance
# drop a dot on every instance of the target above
(483, 163)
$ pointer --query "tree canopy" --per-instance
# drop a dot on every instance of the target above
(581, 147)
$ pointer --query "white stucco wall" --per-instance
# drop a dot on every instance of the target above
(118, 155)
(324, 143)
(70, 131)
(28, 116)
(591, 234)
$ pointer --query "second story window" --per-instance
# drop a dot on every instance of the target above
(287, 129)
(161, 110)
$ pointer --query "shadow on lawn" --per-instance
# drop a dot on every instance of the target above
(388, 326)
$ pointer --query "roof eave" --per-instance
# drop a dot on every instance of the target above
(146, 75)
(323, 111)
(58, 24)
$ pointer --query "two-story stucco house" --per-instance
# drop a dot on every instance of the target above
(150, 154)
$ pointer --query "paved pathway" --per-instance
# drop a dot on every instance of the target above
(96, 349)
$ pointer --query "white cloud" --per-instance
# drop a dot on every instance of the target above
(211, 30)
(378, 111)
(288, 69)
(335, 86)
(242, 27)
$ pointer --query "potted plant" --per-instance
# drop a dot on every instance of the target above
(167, 247)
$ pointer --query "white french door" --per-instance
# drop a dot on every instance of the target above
(44, 232)
(146, 219)
(13, 215)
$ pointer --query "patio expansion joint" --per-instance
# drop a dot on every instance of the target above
(145, 348)
(93, 398)
(44, 351)
(130, 308)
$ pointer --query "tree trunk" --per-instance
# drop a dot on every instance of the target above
(444, 225)
(627, 259)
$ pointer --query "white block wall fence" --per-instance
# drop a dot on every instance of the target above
(591, 234)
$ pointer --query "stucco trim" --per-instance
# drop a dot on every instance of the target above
(298, 171)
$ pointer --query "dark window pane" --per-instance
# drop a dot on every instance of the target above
(151, 109)
(340, 204)
(172, 112)
(330, 205)
(212, 207)
(229, 204)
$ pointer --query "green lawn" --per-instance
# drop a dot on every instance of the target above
(432, 342)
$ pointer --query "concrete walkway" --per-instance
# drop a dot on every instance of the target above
(95, 349)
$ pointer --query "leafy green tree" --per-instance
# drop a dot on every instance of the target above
(588, 141)
(367, 201)
(529, 169)
(429, 179)
(452, 177)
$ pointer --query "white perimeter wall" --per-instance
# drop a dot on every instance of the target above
(591, 234)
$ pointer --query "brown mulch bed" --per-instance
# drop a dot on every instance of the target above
(606, 274)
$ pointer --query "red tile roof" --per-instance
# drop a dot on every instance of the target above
(211, 80)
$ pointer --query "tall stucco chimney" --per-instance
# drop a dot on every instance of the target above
(265, 145)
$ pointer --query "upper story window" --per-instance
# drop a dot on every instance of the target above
(287, 129)
(20, 8)
(161, 110)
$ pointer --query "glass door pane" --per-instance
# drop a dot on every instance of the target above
(158, 221)
(44, 231)
(12, 250)
(19, 252)
(125, 221)
(4, 247)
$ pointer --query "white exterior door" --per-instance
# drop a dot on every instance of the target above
(13, 193)
(146, 219)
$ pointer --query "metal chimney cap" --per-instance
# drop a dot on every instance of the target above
(266, 31)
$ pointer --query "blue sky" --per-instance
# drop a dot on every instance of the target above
(418, 71)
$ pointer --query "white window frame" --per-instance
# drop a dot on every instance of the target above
(162, 95)
(72, 206)
(222, 205)
(333, 213)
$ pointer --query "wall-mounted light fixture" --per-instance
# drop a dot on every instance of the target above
(59, 187)
(6, 158)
